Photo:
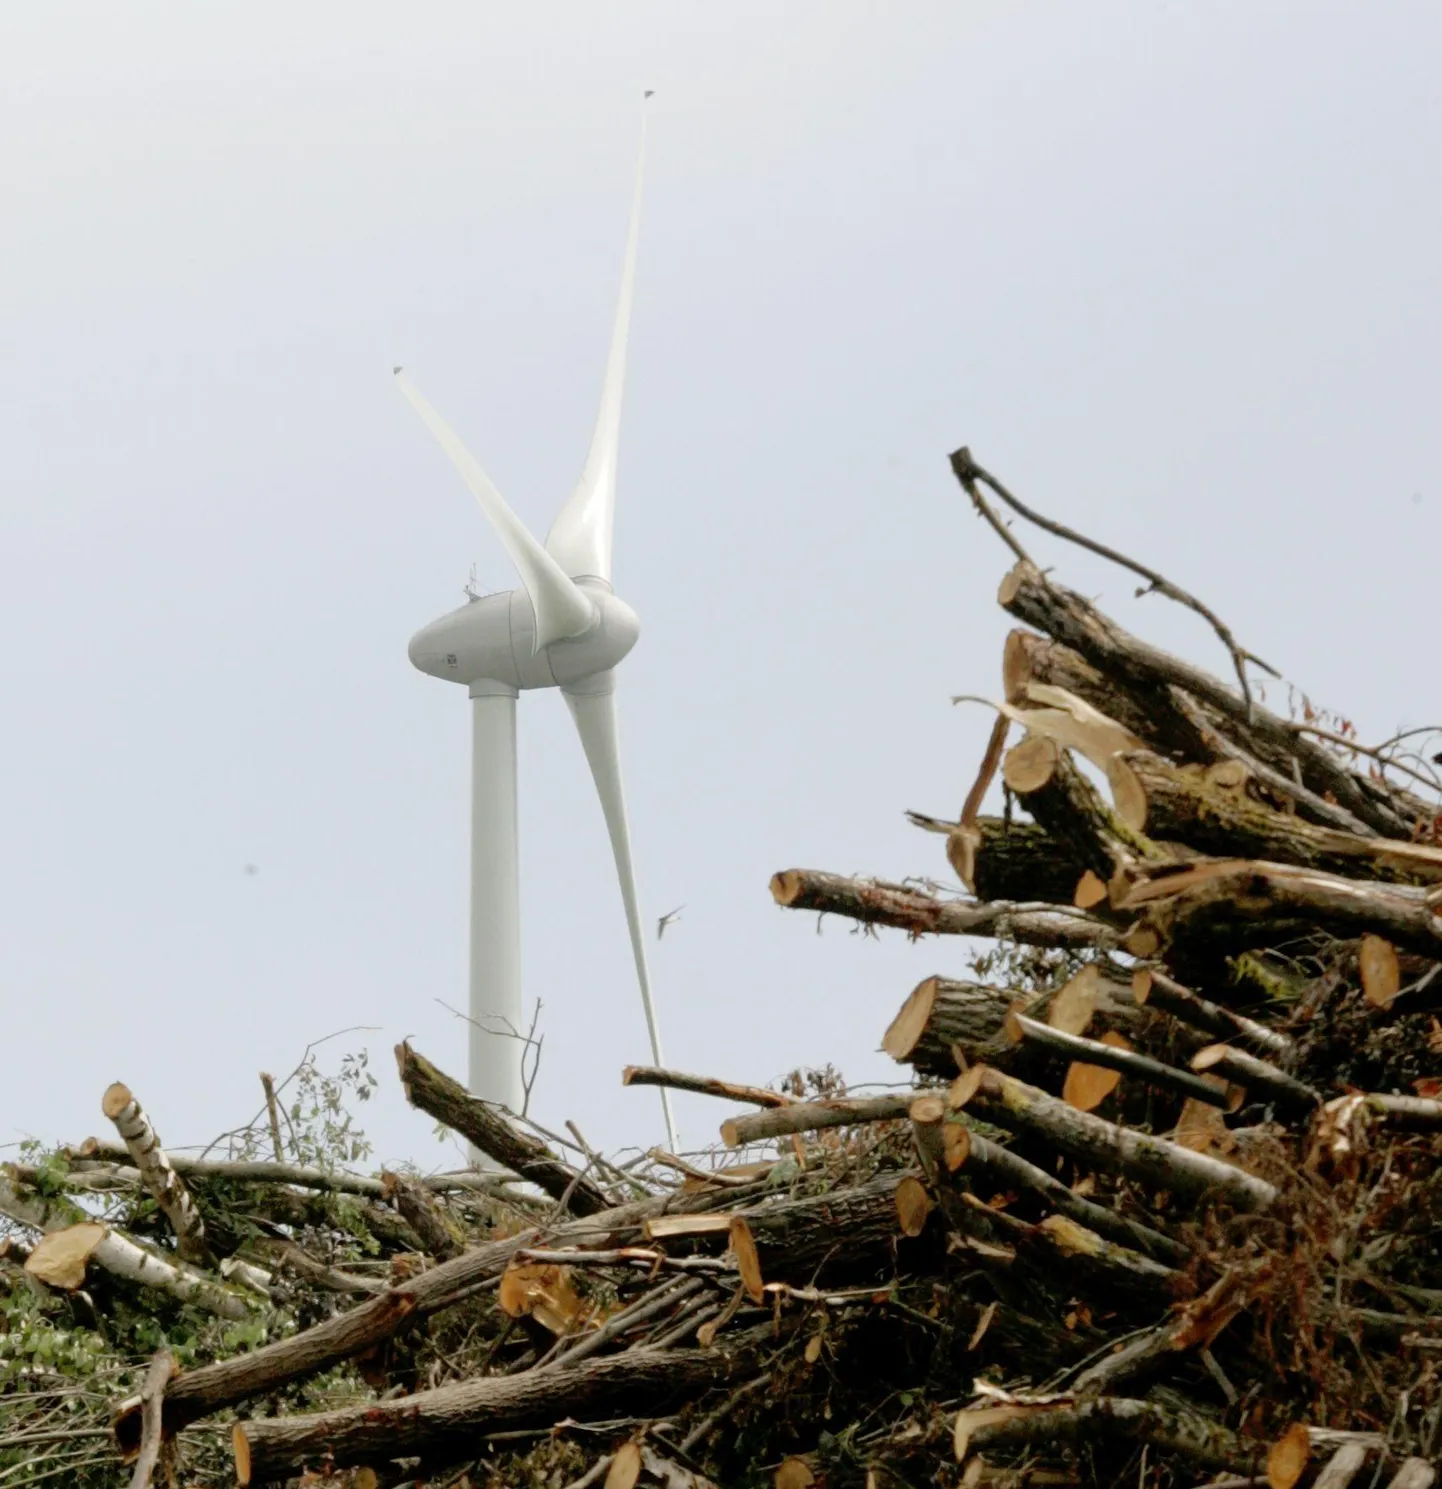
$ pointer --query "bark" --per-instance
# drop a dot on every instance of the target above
(157, 1174)
(433, 1424)
(977, 1157)
(1149, 1160)
(435, 1093)
(1223, 907)
(702, 1085)
(1184, 806)
(875, 903)
(1137, 666)
(1126, 1062)
(423, 1215)
(810, 1116)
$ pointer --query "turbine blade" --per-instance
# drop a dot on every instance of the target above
(593, 707)
(580, 537)
(562, 609)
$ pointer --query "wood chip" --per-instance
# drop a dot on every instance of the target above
(625, 1467)
(1071, 1009)
(913, 1205)
(748, 1263)
(968, 1421)
(1287, 1457)
(794, 1473)
(1381, 976)
(59, 1259)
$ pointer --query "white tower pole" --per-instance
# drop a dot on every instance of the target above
(495, 1058)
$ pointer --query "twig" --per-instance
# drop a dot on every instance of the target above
(267, 1084)
(707, 1425)
(968, 472)
(1374, 752)
(702, 1085)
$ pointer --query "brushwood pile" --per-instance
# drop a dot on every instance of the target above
(1156, 1200)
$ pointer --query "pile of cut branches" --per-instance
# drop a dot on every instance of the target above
(1159, 1202)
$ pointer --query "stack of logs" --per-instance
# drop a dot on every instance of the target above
(1159, 1205)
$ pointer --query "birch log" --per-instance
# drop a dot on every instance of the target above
(165, 1185)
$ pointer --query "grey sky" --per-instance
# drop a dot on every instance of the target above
(1169, 269)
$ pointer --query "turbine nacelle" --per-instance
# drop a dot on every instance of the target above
(493, 639)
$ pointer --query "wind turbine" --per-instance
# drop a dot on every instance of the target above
(564, 628)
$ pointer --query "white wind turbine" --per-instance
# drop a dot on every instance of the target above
(564, 628)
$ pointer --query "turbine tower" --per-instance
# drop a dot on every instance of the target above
(564, 628)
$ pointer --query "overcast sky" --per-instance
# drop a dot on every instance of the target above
(1170, 269)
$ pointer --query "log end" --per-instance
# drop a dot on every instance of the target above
(905, 1030)
(786, 886)
(629, 1074)
(927, 1109)
(240, 1447)
(965, 1086)
(1011, 584)
(729, 1135)
(913, 1205)
(1031, 764)
(117, 1097)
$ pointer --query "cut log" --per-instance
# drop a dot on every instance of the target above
(811, 1116)
(1112, 1057)
(1185, 805)
(436, 1094)
(156, 1173)
(971, 1156)
(210, 1388)
(418, 1205)
(1152, 987)
(702, 1085)
(1259, 1077)
(1148, 671)
(1221, 907)
(1001, 860)
(1093, 833)
(941, 1016)
(873, 902)
(1088, 1139)
(432, 1424)
(796, 1239)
